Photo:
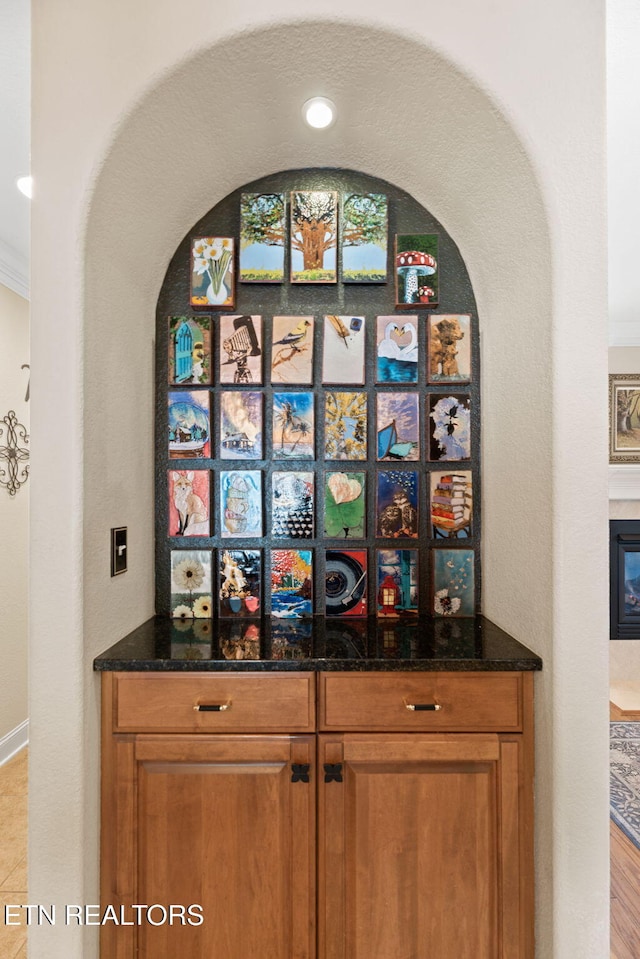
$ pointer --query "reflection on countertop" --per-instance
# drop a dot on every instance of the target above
(318, 644)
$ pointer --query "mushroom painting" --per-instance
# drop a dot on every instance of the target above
(416, 267)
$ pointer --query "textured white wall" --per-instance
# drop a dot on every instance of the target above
(141, 123)
(625, 359)
(623, 147)
(14, 518)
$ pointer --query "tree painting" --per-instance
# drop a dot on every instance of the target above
(364, 238)
(291, 583)
(314, 228)
(293, 426)
(345, 426)
(262, 237)
(628, 411)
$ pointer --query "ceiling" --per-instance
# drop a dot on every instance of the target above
(14, 143)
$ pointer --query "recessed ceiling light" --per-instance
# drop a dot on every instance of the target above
(319, 112)
(25, 185)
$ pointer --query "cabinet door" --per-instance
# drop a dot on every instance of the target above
(220, 822)
(420, 851)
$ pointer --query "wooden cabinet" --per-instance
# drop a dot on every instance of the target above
(423, 827)
(225, 821)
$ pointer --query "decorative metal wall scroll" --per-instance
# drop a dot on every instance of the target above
(14, 455)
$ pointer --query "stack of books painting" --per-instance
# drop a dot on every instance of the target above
(451, 505)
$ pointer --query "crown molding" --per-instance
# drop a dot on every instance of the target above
(14, 270)
(624, 482)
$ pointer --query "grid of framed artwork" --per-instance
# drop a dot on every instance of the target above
(314, 458)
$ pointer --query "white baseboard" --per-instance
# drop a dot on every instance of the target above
(14, 741)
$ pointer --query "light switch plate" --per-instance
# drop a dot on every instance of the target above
(118, 550)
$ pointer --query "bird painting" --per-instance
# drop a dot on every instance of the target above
(292, 349)
(296, 336)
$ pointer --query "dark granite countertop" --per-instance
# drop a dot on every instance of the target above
(317, 644)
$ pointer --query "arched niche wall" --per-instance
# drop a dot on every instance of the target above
(316, 300)
(226, 116)
(441, 139)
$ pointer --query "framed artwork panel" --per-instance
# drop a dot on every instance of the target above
(293, 426)
(453, 582)
(397, 583)
(345, 426)
(396, 349)
(364, 238)
(189, 350)
(262, 237)
(449, 419)
(292, 350)
(449, 348)
(191, 584)
(240, 503)
(314, 232)
(241, 350)
(291, 583)
(624, 418)
(212, 272)
(292, 508)
(345, 582)
(345, 505)
(241, 432)
(416, 269)
(189, 498)
(239, 582)
(189, 424)
(451, 505)
(397, 504)
(398, 426)
(343, 351)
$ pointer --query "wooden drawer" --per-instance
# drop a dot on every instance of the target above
(379, 701)
(153, 702)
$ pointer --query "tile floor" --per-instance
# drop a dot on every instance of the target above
(13, 852)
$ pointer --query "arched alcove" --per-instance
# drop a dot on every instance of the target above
(226, 117)
(168, 163)
(229, 115)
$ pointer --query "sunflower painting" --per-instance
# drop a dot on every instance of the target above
(191, 584)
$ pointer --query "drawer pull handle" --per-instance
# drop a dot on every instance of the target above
(423, 707)
(212, 707)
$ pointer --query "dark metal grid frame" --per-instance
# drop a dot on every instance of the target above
(406, 215)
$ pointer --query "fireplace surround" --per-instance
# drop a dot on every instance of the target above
(624, 578)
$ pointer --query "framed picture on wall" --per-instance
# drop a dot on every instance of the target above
(624, 418)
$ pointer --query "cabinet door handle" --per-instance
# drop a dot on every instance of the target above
(212, 707)
(423, 707)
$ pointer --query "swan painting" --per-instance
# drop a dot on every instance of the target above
(409, 353)
(397, 360)
(389, 347)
